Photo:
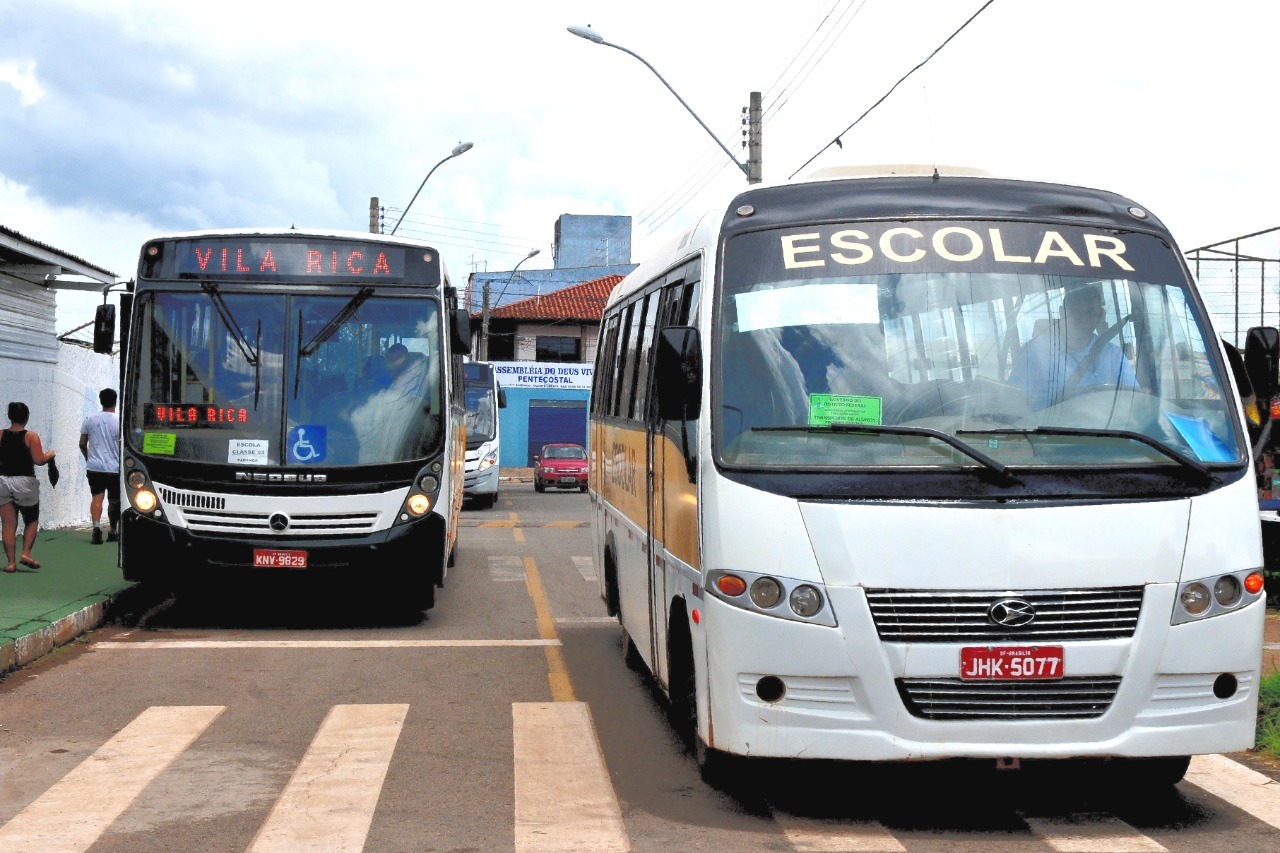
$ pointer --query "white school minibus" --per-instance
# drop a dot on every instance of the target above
(928, 466)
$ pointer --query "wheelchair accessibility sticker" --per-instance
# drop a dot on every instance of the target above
(306, 443)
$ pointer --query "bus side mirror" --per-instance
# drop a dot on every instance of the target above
(461, 332)
(677, 373)
(104, 328)
(1262, 361)
(502, 398)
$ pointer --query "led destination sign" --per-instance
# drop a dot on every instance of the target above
(193, 415)
(284, 258)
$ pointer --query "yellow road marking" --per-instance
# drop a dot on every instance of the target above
(557, 672)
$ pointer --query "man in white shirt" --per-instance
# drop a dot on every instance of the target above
(100, 446)
(1069, 355)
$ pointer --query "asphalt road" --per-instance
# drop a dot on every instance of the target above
(268, 720)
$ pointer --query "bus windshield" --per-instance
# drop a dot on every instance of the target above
(1047, 346)
(254, 378)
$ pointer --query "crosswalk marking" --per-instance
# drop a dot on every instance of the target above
(506, 569)
(74, 812)
(1247, 790)
(586, 567)
(827, 836)
(329, 802)
(1090, 833)
(564, 800)
(321, 644)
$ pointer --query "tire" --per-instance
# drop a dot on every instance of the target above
(582, 489)
(538, 487)
(716, 768)
(630, 654)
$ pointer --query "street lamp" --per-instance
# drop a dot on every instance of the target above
(458, 150)
(593, 36)
(484, 315)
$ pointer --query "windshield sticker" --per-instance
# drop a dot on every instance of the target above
(248, 451)
(808, 305)
(1197, 433)
(307, 443)
(159, 443)
(828, 409)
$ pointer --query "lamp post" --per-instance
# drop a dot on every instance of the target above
(750, 169)
(484, 315)
(458, 150)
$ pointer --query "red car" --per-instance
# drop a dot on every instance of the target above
(560, 466)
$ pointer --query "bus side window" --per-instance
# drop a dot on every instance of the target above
(619, 400)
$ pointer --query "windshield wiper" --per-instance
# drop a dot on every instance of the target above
(879, 429)
(252, 355)
(335, 323)
(328, 331)
(1177, 456)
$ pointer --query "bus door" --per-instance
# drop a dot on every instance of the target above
(666, 475)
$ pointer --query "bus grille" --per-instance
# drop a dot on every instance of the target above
(944, 616)
(190, 500)
(953, 699)
(205, 513)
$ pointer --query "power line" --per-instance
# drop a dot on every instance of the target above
(836, 141)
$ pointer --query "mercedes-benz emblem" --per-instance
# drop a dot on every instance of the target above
(279, 522)
(1011, 612)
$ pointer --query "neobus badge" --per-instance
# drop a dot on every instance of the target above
(959, 244)
(257, 477)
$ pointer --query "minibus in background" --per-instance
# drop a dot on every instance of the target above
(927, 466)
(484, 396)
(292, 405)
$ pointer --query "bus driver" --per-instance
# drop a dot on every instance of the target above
(1070, 355)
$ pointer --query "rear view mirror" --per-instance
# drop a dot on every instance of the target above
(677, 373)
(461, 332)
(1261, 362)
(502, 398)
(104, 328)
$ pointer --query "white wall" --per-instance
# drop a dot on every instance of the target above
(60, 396)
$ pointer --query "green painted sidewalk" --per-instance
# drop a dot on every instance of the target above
(41, 609)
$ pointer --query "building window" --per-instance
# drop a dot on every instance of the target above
(558, 348)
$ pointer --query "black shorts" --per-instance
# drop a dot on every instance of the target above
(104, 481)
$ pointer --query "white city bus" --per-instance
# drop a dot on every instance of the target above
(841, 515)
(484, 396)
(292, 405)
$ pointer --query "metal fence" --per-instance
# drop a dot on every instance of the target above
(1239, 279)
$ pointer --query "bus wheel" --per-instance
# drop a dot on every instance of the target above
(453, 555)
(715, 767)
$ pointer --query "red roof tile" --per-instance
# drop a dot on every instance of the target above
(584, 301)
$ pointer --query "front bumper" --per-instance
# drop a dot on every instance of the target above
(154, 551)
(842, 698)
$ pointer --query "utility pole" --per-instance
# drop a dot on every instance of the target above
(373, 214)
(755, 156)
(484, 323)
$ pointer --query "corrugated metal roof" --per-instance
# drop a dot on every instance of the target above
(584, 301)
(9, 232)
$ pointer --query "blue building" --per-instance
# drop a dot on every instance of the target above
(544, 325)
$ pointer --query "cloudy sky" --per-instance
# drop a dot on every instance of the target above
(122, 119)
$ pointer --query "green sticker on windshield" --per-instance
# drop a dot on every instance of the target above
(827, 409)
(159, 443)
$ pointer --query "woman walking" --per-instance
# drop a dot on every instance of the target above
(20, 452)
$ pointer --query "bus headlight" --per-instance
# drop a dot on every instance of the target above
(144, 500)
(806, 600)
(1205, 598)
(418, 504)
(765, 593)
(137, 479)
(490, 459)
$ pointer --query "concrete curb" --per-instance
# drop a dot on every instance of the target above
(37, 638)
